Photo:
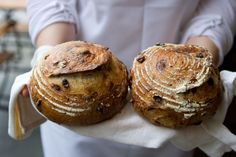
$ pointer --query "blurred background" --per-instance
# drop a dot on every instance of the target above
(16, 52)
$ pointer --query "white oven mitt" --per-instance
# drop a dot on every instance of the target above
(128, 127)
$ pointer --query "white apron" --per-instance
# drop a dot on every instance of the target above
(61, 142)
(126, 27)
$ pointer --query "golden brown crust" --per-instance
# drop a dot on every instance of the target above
(175, 85)
(79, 94)
(73, 57)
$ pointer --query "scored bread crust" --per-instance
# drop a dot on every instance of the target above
(79, 83)
(175, 85)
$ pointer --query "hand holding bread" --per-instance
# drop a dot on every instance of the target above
(171, 85)
(81, 83)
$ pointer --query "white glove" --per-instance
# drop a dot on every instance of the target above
(22, 116)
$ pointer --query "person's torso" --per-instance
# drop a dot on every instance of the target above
(126, 27)
(61, 142)
(129, 26)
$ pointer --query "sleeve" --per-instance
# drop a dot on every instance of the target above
(215, 19)
(42, 13)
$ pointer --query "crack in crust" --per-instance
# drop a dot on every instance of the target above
(74, 57)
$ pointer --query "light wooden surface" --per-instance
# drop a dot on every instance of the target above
(21, 27)
(6, 27)
(4, 56)
(12, 4)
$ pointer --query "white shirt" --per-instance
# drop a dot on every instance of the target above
(128, 27)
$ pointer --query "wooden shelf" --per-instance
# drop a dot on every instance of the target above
(12, 4)
(6, 27)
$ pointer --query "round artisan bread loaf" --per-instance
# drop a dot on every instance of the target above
(175, 85)
(79, 83)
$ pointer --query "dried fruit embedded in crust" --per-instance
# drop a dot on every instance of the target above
(161, 65)
(140, 59)
(65, 83)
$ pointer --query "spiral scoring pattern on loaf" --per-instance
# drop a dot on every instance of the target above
(58, 103)
(67, 58)
(164, 73)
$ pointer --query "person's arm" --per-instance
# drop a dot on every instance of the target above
(206, 42)
(53, 34)
(56, 33)
(212, 26)
(50, 23)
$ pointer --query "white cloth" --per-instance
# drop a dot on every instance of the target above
(129, 26)
(62, 142)
(129, 128)
(211, 136)
(22, 117)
